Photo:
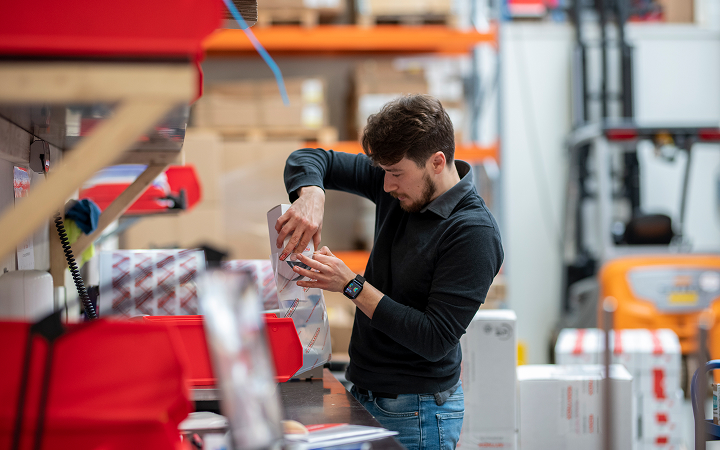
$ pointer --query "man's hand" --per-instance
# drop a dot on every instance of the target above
(303, 221)
(328, 271)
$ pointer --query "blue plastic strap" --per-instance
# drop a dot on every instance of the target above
(697, 389)
(260, 49)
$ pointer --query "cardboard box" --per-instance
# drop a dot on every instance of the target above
(250, 178)
(661, 419)
(653, 358)
(579, 346)
(341, 316)
(377, 82)
(404, 7)
(678, 11)
(204, 150)
(489, 361)
(258, 104)
(561, 407)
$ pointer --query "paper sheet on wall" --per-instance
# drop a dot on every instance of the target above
(21, 187)
(306, 306)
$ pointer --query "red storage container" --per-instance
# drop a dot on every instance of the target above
(158, 28)
(113, 385)
(282, 337)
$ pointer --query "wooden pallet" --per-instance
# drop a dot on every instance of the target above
(323, 135)
(370, 20)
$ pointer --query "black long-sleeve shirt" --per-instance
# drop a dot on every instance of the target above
(434, 268)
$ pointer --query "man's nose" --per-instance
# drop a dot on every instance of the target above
(389, 185)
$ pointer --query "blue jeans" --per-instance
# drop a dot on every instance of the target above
(420, 422)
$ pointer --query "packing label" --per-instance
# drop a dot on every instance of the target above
(580, 410)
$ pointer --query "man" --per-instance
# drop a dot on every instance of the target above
(437, 249)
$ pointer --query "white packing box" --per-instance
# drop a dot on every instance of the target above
(488, 439)
(579, 346)
(489, 363)
(661, 419)
(653, 357)
(561, 407)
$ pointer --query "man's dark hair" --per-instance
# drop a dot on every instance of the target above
(413, 126)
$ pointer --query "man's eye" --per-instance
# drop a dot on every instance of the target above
(396, 175)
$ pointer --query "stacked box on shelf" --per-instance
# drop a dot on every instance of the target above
(496, 295)
(561, 407)
(341, 316)
(370, 12)
(654, 359)
(239, 180)
(489, 388)
(377, 82)
(255, 108)
(306, 12)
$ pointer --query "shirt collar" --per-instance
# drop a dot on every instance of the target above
(448, 200)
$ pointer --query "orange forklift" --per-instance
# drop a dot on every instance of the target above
(613, 244)
(643, 260)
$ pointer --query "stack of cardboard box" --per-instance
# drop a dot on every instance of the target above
(369, 12)
(307, 12)
(240, 182)
(377, 82)
(341, 316)
(654, 359)
(561, 407)
(256, 108)
(489, 360)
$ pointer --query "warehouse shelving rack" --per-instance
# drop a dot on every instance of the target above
(144, 92)
(328, 40)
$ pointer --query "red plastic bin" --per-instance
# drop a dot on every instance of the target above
(118, 28)
(282, 337)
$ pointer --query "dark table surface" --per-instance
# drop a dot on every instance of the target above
(327, 401)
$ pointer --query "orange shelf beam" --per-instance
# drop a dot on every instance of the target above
(472, 154)
(349, 39)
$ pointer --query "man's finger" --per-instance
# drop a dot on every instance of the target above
(306, 273)
(282, 220)
(316, 239)
(323, 259)
(282, 234)
(311, 263)
(303, 244)
(290, 248)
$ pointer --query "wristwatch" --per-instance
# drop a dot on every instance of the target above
(354, 287)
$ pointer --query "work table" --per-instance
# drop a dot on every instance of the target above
(327, 401)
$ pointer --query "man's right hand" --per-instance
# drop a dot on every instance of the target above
(303, 221)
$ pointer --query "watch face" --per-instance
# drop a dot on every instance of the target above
(353, 289)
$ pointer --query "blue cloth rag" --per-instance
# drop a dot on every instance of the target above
(85, 213)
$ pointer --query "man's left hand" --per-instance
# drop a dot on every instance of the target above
(328, 271)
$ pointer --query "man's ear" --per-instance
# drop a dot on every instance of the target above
(438, 162)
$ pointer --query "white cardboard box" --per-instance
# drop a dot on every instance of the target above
(561, 407)
(653, 357)
(489, 362)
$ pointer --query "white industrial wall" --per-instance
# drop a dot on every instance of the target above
(677, 79)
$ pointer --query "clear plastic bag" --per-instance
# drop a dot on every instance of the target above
(306, 306)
